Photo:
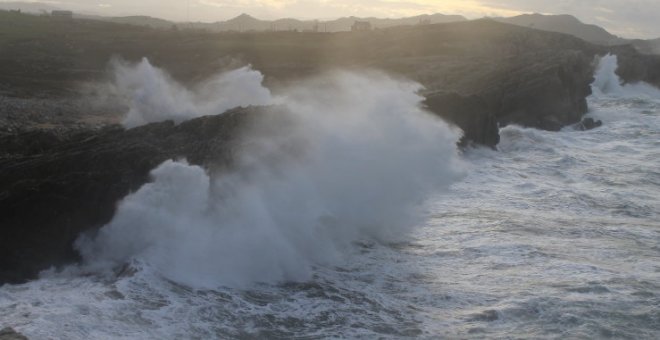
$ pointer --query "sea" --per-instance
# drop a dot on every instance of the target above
(553, 235)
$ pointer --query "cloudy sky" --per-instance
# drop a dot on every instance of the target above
(627, 18)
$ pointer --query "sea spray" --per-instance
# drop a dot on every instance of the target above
(608, 84)
(545, 242)
(343, 158)
(151, 95)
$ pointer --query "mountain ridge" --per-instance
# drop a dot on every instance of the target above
(560, 23)
(567, 24)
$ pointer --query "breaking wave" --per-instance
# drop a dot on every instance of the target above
(608, 84)
(342, 158)
(153, 96)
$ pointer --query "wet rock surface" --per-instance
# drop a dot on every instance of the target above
(589, 124)
(53, 187)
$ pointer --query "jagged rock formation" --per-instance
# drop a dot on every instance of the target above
(55, 183)
(635, 67)
(566, 24)
(546, 94)
(52, 187)
(470, 113)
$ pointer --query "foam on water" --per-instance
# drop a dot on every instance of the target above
(553, 236)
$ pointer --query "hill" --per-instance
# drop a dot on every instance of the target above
(135, 20)
(647, 46)
(245, 23)
(566, 24)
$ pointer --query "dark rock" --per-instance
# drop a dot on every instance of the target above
(588, 124)
(525, 76)
(546, 94)
(636, 67)
(486, 316)
(545, 91)
(9, 333)
(471, 114)
(70, 184)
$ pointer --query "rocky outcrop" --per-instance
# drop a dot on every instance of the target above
(472, 114)
(635, 67)
(54, 187)
(588, 124)
(545, 93)
(9, 333)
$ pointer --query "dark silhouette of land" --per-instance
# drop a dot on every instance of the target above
(64, 162)
(567, 24)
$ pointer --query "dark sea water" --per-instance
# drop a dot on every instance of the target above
(555, 235)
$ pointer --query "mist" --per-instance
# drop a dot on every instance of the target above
(340, 158)
(608, 84)
(153, 96)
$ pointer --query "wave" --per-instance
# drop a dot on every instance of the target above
(608, 84)
(153, 96)
(343, 158)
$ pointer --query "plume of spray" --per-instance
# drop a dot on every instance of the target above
(153, 96)
(342, 158)
(608, 84)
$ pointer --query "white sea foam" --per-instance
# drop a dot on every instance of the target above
(153, 96)
(554, 235)
(345, 157)
(608, 84)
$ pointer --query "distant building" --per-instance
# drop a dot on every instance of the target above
(62, 14)
(361, 26)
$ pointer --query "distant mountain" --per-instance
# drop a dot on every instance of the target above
(565, 24)
(344, 24)
(246, 22)
(136, 20)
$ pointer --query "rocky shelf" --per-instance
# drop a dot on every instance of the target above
(57, 181)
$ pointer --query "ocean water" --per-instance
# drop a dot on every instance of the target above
(554, 235)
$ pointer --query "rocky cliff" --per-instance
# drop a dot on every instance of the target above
(52, 187)
(519, 75)
(635, 67)
(57, 182)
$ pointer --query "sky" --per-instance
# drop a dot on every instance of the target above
(626, 18)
